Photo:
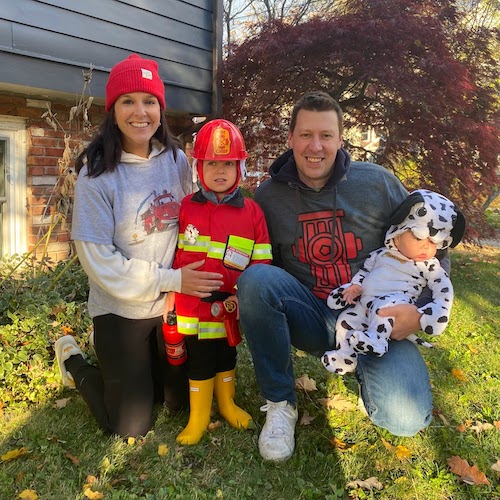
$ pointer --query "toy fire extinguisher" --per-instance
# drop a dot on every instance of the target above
(227, 311)
(174, 341)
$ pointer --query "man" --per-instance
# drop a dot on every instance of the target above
(325, 215)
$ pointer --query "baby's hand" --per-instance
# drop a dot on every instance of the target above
(351, 293)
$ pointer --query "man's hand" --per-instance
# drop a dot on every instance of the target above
(406, 319)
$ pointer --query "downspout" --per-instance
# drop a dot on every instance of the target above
(217, 59)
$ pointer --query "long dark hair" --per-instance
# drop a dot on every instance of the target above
(104, 152)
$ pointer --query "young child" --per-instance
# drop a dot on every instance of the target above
(229, 231)
(396, 274)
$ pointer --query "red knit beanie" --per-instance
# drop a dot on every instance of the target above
(134, 74)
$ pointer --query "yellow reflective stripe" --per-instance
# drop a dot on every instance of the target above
(241, 243)
(204, 329)
(211, 330)
(216, 250)
(201, 244)
(262, 251)
(187, 325)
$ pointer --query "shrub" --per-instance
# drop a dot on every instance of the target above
(39, 302)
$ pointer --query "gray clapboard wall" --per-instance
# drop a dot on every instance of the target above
(45, 45)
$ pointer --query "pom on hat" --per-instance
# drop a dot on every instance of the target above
(134, 74)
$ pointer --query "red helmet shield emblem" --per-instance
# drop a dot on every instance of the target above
(221, 142)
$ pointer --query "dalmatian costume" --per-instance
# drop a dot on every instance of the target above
(389, 278)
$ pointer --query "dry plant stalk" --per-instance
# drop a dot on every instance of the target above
(78, 122)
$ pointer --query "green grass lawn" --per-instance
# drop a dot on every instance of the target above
(64, 455)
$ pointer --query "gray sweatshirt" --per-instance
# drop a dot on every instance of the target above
(125, 227)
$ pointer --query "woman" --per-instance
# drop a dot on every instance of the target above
(132, 178)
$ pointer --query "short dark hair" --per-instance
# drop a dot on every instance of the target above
(316, 101)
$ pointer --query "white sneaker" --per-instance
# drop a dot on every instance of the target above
(66, 347)
(277, 440)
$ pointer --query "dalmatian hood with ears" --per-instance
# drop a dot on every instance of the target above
(428, 215)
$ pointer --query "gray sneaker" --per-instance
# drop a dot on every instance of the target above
(277, 440)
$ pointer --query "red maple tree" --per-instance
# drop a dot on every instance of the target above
(411, 70)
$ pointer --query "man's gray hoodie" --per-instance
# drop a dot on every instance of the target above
(322, 236)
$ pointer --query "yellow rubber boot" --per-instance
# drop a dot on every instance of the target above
(200, 403)
(224, 392)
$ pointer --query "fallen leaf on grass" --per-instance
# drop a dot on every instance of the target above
(337, 402)
(163, 450)
(89, 482)
(212, 426)
(438, 414)
(496, 466)
(366, 484)
(13, 454)
(496, 423)
(458, 374)
(468, 474)
(131, 441)
(401, 452)
(55, 440)
(300, 354)
(306, 383)
(472, 349)
(28, 495)
(61, 403)
(480, 427)
(72, 458)
(306, 418)
(93, 495)
(340, 445)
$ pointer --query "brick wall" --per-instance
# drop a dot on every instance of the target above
(44, 176)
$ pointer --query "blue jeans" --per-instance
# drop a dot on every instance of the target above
(277, 311)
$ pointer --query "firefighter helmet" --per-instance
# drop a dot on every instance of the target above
(219, 140)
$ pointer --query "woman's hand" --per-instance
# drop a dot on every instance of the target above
(199, 283)
(406, 319)
(169, 305)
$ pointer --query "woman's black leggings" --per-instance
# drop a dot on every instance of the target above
(133, 374)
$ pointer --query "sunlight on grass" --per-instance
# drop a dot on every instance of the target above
(335, 448)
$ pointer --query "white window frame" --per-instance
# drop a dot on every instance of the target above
(14, 237)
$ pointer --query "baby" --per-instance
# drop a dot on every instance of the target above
(396, 274)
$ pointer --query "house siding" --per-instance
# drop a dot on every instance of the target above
(46, 45)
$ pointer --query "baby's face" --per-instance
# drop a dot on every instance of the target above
(414, 248)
